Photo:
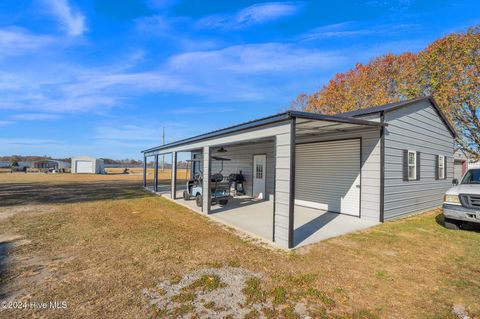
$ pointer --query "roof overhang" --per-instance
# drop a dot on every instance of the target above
(286, 116)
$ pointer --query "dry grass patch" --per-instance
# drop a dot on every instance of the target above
(97, 241)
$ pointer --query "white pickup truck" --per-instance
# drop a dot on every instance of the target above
(461, 203)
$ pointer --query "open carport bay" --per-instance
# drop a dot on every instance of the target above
(254, 217)
(302, 183)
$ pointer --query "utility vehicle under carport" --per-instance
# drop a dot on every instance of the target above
(219, 187)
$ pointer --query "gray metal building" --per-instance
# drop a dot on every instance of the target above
(362, 167)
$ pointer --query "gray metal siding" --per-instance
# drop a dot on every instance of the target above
(282, 188)
(416, 127)
(370, 171)
(206, 180)
(241, 159)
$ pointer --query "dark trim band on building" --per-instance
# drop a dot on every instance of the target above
(264, 121)
(382, 168)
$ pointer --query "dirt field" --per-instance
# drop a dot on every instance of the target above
(108, 249)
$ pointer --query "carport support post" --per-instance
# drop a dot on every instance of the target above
(291, 212)
(155, 174)
(283, 231)
(206, 180)
(174, 175)
(144, 171)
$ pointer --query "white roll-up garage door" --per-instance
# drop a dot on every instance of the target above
(84, 167)
(328, 176)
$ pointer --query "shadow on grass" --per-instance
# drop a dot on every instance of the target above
(12, 194)
(468, 226)
(5, 247)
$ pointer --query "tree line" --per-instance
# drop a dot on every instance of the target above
(448, 69)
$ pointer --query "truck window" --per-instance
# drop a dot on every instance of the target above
(472, 177)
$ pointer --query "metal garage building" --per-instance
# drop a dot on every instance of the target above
(313, 176)
(87, 165)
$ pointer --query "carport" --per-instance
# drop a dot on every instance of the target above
(308, 176)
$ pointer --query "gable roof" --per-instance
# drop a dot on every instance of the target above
(396, 105)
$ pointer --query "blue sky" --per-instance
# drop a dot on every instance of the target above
(103, 77)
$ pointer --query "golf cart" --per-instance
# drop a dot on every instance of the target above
(220, 190)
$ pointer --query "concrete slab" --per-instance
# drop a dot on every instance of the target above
(255, 217)
(312, 225)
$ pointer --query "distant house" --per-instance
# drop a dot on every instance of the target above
(51, 165)
(5, 164)
(26, 164)
(460, 164)
(87, 165)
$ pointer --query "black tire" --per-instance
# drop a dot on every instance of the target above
(452, 224)
(199, 200)
(186, 195)
(223, 202)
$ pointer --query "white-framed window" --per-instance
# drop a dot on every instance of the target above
(259, 171)
(412, 165)
(441, 167)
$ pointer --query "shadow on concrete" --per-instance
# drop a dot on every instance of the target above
(468, 226)
(308, 229)
(233, 204)
(12, 194)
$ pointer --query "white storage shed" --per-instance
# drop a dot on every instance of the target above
(87, 165)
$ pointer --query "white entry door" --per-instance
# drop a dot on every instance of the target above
(259, 171)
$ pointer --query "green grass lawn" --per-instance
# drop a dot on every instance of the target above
(98, 243)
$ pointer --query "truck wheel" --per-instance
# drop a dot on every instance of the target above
(223, 202)
(199, 200)
(186, 195)
(452, 224)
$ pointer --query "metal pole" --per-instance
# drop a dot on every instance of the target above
(163, 157)
(155, 174)
(144, 171)
(174, 175)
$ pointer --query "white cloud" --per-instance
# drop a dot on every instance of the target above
(229, 74)
(72, 21)
(27, 141)
(352, 29)
(15, 40)
(157, 25)
(4, 123)
(256, 58)
(35, 117)
(253, 15)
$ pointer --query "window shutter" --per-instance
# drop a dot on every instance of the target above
(405, 165)
(418, 166)
(445, 167)
(436, 167)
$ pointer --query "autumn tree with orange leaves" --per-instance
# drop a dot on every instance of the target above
(448, 69)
